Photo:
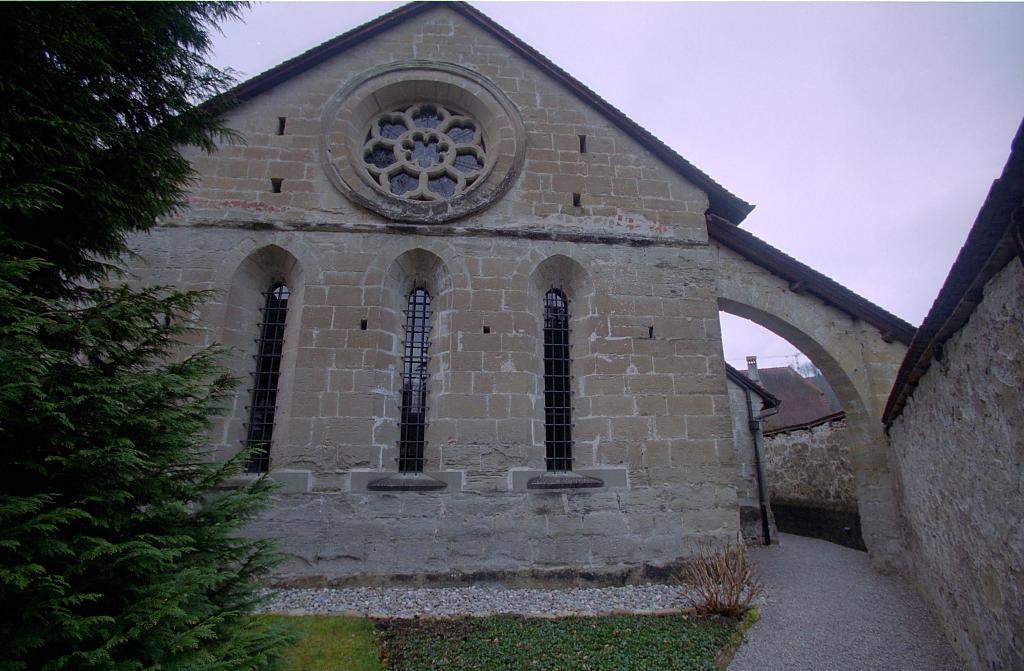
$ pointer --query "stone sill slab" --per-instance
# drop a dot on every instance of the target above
(609, 477)
(450, 481)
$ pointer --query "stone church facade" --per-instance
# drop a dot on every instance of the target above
(475, 312)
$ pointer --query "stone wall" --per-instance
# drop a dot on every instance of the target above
(651, 408)
(959, 446)
(811, 467)
(812, 484)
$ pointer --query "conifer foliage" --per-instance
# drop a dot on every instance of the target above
(119, 544)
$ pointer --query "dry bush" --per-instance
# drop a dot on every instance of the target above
(722, 580)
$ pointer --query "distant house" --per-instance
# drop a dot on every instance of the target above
(751, 404)
(805, 401)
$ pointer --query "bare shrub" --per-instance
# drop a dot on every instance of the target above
(722, 580)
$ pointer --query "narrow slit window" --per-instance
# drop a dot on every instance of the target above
(557, 382)
(281, 121)
(576, 200)
(415, 362)
(583, 144)
(265, 378)
(275, 184)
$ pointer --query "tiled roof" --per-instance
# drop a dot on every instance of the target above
(768, 400)
(802, 401)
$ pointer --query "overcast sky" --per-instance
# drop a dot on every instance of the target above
(867, 135)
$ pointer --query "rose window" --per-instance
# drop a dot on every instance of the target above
(425, 152)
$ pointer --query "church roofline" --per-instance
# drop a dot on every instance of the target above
(802, 278)
(995, 239)
(721, 202)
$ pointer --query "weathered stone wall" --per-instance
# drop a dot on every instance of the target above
(812, 484)
(959, 445)
(811, 467)
(746, 467)
(651, 412)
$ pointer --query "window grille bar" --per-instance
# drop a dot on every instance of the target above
(260, 428)
(415, 362)
(557, 382)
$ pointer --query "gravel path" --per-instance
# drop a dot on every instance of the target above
(827, 610)
(404, 602)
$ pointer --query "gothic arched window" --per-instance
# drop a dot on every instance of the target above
(557, 382)
(412, 438)
(265, 377)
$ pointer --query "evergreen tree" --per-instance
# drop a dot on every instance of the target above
(119, 544)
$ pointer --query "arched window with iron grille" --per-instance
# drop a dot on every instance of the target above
(415, 362)
(266, 376)
(557, 382)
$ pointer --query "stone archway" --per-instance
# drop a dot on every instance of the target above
(856, 360)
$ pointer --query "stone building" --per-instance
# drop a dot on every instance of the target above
(752, 405)
(956, 423)
(478, 307)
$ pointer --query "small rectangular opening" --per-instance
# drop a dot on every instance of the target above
(576, 200)
(275, 184)
(650, 332)
(583, 144)
(362, 324)
(281, 121)
(487, 329)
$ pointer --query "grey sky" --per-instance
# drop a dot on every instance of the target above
(866, 134)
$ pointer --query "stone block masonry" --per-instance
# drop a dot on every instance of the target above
(960, 452)
(621, 232)
(651, 418)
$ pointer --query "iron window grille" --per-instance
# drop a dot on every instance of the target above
(415, 361)
(260, 429)
(557, 382)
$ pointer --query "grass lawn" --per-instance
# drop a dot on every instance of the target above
(500, 643)
(329, 643)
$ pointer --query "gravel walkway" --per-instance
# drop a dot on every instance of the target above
(827, 610)
(403, 602)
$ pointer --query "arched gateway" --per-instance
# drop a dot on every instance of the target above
(857, 346)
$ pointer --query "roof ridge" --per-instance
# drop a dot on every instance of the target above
(721, 201)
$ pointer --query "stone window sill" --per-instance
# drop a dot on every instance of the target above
(405, 482)
(383, 482)
(581, 479)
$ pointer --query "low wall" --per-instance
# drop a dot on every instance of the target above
(811, 484)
